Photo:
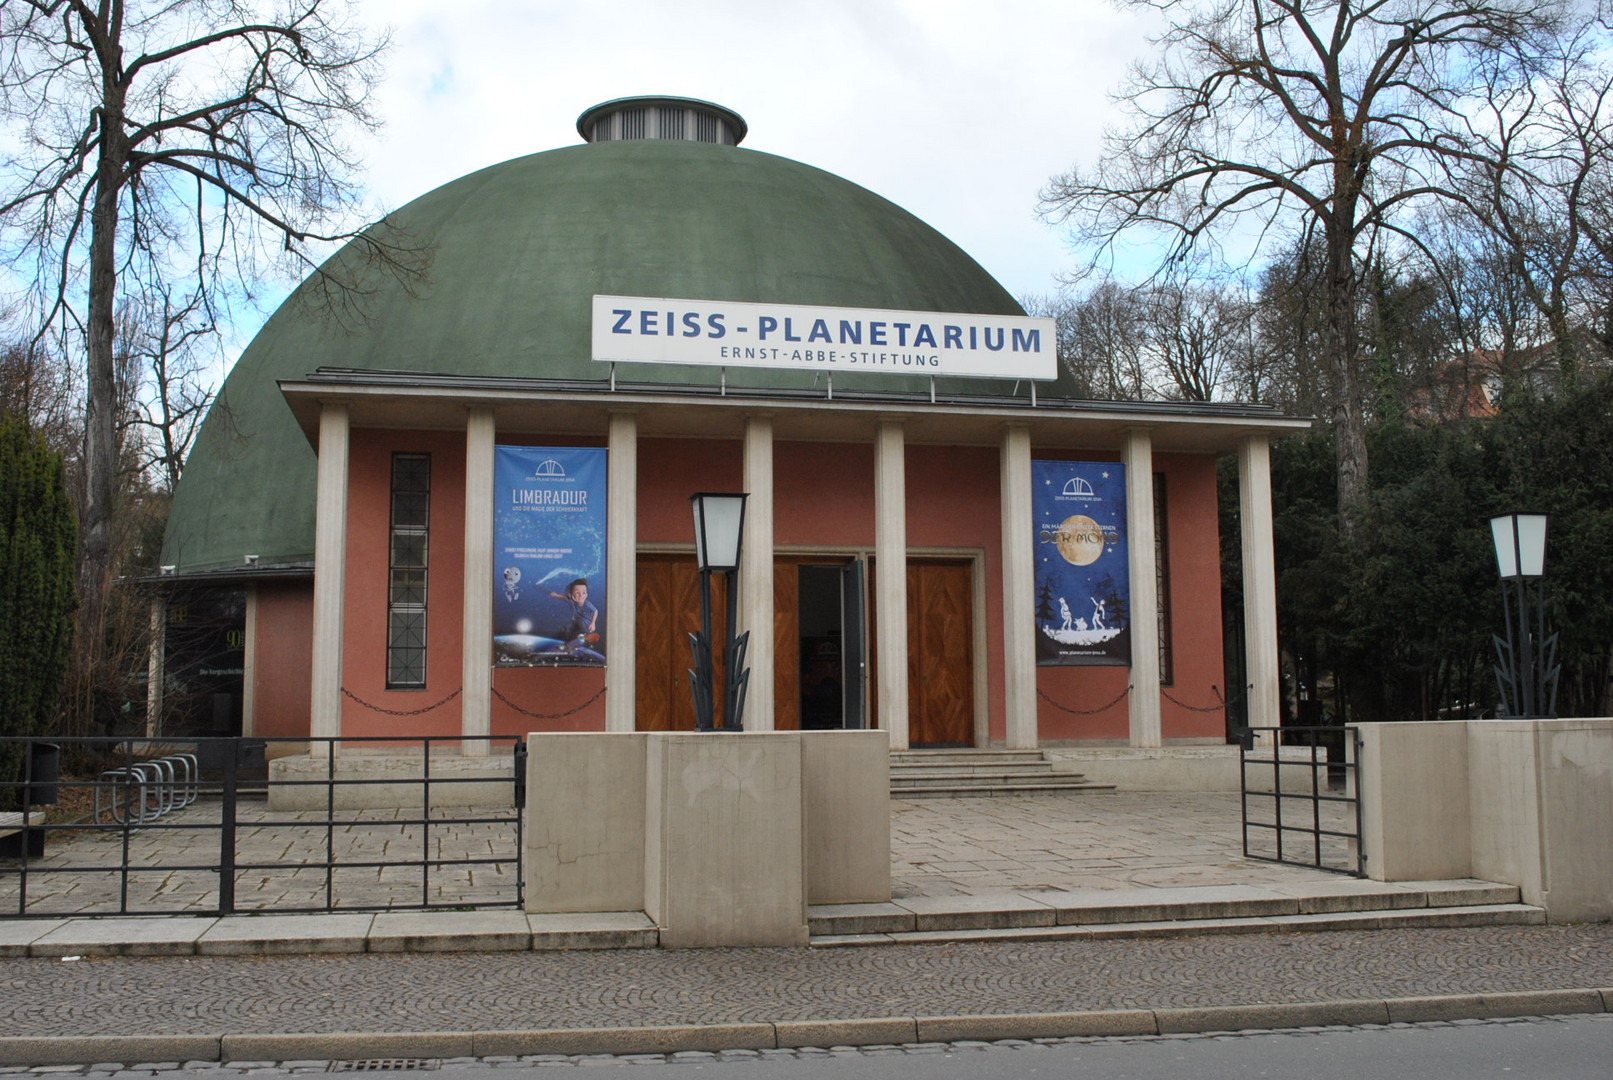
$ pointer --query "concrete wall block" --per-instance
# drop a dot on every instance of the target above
(585, 821)
(846, 777)
(1414, 801)
(1503, 803)
(725, 858)
(1576, 801)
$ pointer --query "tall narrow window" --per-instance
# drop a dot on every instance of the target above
(1162, 579)
(406, 589)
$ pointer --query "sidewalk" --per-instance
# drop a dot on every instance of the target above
(361, 1006)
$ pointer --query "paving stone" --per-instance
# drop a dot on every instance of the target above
(122, 937)
(593, 930)
(992, 911)
(268, 935)
(449, 931)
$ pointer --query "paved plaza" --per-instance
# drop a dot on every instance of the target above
(939, 848)
(1092, 840)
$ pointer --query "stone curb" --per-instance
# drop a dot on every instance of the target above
(28, 1050)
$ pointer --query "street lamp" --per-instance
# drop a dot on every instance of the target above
(1527, 672)
(719, 527)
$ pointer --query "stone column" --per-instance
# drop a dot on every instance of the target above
(1019, 588)
(621, 574)
(756, 572)
(476, 640)
(330, 577)
(1144, 699)
(890, 578)
(1261, 676)
(157, 656)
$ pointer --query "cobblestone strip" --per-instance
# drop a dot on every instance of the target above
(636, 988)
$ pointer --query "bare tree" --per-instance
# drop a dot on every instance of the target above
(1301, 118)
(159, 141)
(167, 356)
(1541, 184)
(1198, 335)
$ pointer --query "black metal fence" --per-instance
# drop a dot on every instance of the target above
(1300, 807)
(221, 825)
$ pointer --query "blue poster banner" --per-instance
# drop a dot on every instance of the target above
(549, 556)
(1083, 582)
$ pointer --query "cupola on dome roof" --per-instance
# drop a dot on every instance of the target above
(520, 249)
(649, 117)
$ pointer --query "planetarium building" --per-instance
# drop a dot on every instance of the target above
(463, 508)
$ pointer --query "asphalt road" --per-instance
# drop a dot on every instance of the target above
(1535, 1048)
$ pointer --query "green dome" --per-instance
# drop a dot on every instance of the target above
(519, 250)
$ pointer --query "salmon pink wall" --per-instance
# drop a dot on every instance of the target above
(823, 493)
(823, 496)
(369, 494)
(1195, 568)
(281, 675)
(669, 471)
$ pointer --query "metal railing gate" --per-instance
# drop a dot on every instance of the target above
(192, 826)
(1300, 797)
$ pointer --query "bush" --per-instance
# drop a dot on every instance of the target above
(37, 537)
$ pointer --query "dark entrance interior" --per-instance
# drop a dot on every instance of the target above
(829, 624)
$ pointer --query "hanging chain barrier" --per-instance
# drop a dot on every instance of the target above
(1083, 712)
(574, 710)
(400, 712)
(1219, 706)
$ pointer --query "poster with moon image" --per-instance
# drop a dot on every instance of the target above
(1083, 582)
(549, 556)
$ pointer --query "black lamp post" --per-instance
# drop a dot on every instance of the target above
(1527, 672)
(719, 526)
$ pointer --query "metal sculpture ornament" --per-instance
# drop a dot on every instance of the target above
(549, 556)
(1083, 583)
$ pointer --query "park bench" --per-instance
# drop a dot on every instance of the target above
(14, 834)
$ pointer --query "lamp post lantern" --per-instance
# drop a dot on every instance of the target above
(1527, 672)
(719, 527)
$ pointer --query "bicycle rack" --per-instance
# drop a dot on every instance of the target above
(145, 791)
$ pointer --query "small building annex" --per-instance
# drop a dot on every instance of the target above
(468, 513)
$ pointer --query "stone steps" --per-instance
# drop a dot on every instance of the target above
(964, 772)
(1133, 913)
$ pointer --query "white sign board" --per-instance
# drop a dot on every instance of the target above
(655, 330)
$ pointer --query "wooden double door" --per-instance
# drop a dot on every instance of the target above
(819, 673)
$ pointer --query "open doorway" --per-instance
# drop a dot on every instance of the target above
(829, 626)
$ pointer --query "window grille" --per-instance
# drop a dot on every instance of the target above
(406, 587)
(671, 121)
(705, 128)
(633, 123)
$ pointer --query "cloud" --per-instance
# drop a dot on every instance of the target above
(957, 110)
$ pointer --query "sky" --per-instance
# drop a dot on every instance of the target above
(957, 110)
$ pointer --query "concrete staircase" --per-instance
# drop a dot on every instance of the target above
(1089, 914)
(942, 774)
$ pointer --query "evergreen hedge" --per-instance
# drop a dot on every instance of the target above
(37, 537)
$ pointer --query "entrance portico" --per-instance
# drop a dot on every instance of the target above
(881, 479)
